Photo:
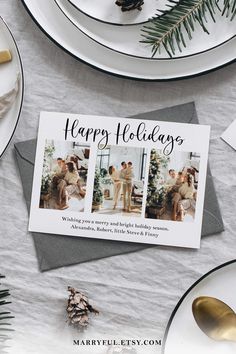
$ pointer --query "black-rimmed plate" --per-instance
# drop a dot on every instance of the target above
(57, 26)
(8, 77)
(182, 334)
(108, 12)
(126, 40)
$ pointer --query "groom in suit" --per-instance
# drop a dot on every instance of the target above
(124, 184)
(126, 176)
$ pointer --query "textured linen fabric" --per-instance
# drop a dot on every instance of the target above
(135, 293)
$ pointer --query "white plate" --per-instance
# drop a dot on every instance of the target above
(107, 11)
(57, 27)
(183, 335)
(8, 76)
(126, 40)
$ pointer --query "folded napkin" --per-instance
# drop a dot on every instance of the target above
(8, 98)
(55, 251)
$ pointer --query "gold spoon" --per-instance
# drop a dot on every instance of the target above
(216, 319)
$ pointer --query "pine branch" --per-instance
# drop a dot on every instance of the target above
(4, 315)
(167, 28)
(229, 9)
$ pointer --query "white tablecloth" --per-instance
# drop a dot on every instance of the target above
(135, 293)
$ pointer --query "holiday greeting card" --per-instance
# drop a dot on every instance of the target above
(120, 179)
(229, 135)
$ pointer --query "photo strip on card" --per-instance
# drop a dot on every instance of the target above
(172, 186)
(64, 175)
(119, 181)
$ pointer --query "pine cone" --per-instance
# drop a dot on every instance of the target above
(78, 308)
(127, 5)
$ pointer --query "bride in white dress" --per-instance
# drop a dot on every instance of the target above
(115, 176)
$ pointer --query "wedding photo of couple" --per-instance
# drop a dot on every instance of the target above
(172, 186)
(64, 177)
(119, 181)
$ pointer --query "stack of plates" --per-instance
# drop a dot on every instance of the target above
(183, 334)
(8, 76)
(100, 34)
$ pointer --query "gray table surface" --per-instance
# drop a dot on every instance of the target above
(135, 293)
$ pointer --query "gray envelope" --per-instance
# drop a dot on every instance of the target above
(55, 251)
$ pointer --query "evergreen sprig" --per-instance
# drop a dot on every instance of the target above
(229, 9)
(168, 28)
(5, 316)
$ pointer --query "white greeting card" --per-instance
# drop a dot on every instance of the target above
(120, 179)
(229, 135)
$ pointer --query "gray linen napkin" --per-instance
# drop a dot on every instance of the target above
(55, 251)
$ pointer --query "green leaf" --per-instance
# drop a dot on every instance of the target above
(168, 28)
(6, 318)
(4, 315)
(229, 9)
